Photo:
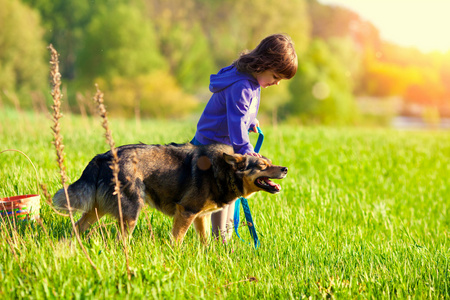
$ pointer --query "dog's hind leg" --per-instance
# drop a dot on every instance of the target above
(181, 222)
(87, 219)
(202, 224)
(131, 215)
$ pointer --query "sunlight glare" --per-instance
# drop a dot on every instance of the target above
(418, 23)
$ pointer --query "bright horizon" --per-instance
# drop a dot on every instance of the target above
(424, 24)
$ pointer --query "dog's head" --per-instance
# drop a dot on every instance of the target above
(256, 173)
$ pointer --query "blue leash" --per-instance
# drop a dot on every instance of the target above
(244, 202)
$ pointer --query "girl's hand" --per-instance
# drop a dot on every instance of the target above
(253, 128)
(253, 154)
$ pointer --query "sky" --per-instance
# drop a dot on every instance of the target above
(424, 24)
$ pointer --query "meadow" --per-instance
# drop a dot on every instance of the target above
(363, 213)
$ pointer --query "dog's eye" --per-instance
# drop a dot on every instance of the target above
(263, 166)
(241, 167)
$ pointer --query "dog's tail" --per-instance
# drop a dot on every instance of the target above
(81, 193)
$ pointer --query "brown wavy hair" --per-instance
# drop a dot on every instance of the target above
(275, 52)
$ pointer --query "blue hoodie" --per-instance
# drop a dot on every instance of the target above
(231, 111)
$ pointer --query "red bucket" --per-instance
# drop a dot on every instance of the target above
(24, 207)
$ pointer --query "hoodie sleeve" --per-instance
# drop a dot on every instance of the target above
(239, 99)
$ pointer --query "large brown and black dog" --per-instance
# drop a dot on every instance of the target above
(184, 181)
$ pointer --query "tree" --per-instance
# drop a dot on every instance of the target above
(238, 25)
(183, 41)
(155, 95)
(331, 21)
(321, 91)
(64, 22)
(119, 42)
(445, 77)
(22, 50)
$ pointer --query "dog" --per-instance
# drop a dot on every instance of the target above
(183, 181)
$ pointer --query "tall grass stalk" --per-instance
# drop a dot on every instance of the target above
(115, 168)
(58, 141)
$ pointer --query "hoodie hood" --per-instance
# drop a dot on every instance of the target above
(226, 77)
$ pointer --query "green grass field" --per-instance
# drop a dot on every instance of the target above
(363, 213)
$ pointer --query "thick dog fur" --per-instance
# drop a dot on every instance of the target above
(184, 181)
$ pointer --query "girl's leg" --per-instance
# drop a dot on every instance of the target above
(222, 222)
(230, 220)
(219, 223)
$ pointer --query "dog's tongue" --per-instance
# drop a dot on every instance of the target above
(272, 184)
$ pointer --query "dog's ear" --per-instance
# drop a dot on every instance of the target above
(237, 161)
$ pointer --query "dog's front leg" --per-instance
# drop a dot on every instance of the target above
(181, 222)
(202, 224)
(87, 219)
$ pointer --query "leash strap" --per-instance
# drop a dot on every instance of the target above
(248, 217)
(260, 140)
(244, 202)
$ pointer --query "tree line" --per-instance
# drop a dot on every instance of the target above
(153, 58)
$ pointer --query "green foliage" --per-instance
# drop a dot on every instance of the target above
(65, 24)
(273, 98)
(190, 39)
(119, 42)
(189, 55)
(362, 214)
(322, 88)
(239, 25)
(155, 95)
(22, 49)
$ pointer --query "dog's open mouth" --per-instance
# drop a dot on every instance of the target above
(266, 184)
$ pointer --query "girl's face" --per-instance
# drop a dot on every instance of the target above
(268, 78)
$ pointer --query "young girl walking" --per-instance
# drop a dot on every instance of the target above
(231, 112)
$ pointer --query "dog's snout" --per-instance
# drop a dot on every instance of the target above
(284, 169)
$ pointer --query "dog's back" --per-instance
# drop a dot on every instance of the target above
(156, 174)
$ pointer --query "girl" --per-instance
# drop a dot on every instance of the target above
(231, 112)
